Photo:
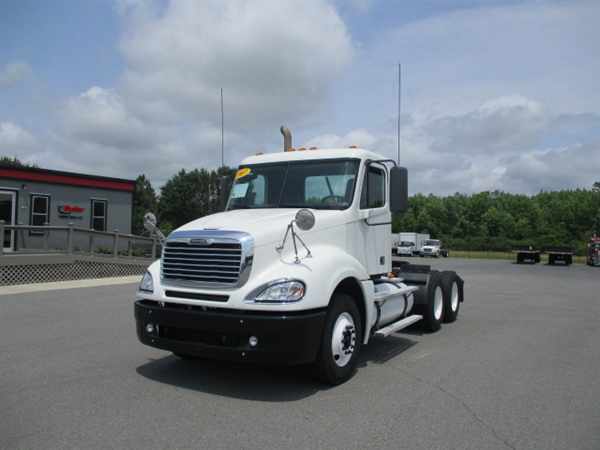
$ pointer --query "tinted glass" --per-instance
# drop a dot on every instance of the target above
(315, 184)
(38, 219)
(40, 205)
(99, 208)
(373, 193)
(98, 224)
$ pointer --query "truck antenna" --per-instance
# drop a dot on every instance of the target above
(399, 104)
(222, 133)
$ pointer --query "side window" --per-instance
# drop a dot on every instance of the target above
(258, 191)
(373, 192)
(98, 215)
(40, 212)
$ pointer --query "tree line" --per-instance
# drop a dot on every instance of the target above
(499, 221)
(488, 221)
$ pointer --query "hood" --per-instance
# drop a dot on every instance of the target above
(265, 225)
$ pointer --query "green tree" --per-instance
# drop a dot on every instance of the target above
(7, 161)
(144, 200)
(189, 195)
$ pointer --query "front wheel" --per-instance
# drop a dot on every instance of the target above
(341, 341)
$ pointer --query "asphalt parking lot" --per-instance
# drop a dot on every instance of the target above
(519, 369)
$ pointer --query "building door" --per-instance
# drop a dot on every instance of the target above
(7, 214)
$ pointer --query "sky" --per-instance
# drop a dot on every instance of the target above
(496, 95)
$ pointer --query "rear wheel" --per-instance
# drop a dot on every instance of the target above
(341, 342)
(430, 299)
(451, 295)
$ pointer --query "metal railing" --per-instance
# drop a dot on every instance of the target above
(69, 233)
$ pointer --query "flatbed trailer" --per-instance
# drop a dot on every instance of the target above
(527, 254)
(559, 254)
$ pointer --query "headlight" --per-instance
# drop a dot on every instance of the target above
(278, 292)
(147, 284)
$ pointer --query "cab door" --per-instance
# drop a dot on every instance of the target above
(376, 226)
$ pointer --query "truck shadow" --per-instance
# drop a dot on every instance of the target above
(259, 383)
(381, 350)
(242, 381)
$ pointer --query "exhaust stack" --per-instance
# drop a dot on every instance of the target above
(287, 138)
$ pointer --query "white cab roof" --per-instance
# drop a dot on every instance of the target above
(305, 155)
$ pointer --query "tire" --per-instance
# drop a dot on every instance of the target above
(342, 334)
(451, 291)
(430, 301)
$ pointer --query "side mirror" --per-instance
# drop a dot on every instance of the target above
(305, 219)
(150, 222)
(150, 225)
(398, 189)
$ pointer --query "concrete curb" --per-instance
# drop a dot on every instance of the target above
(58, 285)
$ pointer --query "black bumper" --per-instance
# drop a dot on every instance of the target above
(219, 333)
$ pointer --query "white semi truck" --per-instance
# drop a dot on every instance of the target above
(296, 270)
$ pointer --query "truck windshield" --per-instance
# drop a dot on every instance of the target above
(406, 244)
(319, 184)
(432, 242)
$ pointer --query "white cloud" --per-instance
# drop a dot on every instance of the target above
(14, 72)
(15, 140)
(100, 116)
(497, 146)
(274, 60)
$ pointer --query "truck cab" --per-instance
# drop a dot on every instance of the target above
(406, 248)
(296, 270)
(434, 248)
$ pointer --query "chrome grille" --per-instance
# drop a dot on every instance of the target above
(198, 258)
(217, 263)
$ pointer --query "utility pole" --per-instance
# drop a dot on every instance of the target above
(222, 133)
(399, 105)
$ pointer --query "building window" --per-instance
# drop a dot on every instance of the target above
(98, 218)
(373, 193)
(40, 212)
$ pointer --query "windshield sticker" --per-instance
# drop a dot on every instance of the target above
(239, 190)
(244, 172)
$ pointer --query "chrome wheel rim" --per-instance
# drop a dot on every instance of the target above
(438, 303)
(454, 297)
(343, 339)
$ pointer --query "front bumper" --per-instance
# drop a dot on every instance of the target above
(220, 333)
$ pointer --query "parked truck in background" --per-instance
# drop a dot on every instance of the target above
(406, 248)
(434, 248)
(405, 238)
(296, 270)
(593, 251)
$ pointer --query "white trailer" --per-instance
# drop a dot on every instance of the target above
(405, 239)
(296, 270)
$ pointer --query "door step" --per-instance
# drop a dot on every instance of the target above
(397, 326)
